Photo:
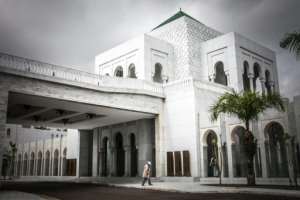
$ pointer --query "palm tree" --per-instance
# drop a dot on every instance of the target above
(246, 106)
(291, 41)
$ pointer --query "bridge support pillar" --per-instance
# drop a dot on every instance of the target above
(85, 159)
(95, 152)
(160, 153)
(146, 143)
(3, 110)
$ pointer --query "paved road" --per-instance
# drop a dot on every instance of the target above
(74, 191)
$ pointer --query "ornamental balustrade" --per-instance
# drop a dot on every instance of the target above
(40, 68)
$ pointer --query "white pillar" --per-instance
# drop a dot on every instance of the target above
(263, 159)
(202, 161)
(127, 160)
(113, 161)
(263, 88)
(95, 162)
(160, 153)
(250, 76)
(101, 152)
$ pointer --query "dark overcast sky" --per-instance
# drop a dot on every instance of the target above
(72, 32)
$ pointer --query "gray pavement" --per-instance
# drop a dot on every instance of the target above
(194, 187)
(17, 195)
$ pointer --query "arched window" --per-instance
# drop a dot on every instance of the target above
(25, 164)
(31, 164)
(267, 83)
(19, 165)
(39, 164)
(256, 81)
(221, 77)
(131, 71)
(276, 150)
(239, 161)
(246, 80)
(64, 163)
(158, 73)
(119, 71)
(55, 162)
(47, 164)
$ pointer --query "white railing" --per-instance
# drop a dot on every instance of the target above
(37, 67)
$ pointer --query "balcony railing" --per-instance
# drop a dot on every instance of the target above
(37, 67)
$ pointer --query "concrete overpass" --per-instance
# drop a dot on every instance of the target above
(41, 94)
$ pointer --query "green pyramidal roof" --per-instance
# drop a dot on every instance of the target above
(174, 17)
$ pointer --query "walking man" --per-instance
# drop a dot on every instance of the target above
(146, 173)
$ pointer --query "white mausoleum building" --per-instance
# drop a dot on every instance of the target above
(190, 65)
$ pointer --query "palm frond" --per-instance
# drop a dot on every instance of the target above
(291, 41)
(246, 106)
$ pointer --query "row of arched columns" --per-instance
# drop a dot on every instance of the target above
(41, 165)
(254, 77)
(119, 72)
(257, 79)
(157, 74)
(116, 159)
(271, 160)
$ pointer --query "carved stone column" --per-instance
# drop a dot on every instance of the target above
(101, 162)
(113, 161)
(250, 76)
(127, 160)
(264, 164)
(263, 88)
(212, 77)
(272, 86)
(165, 79)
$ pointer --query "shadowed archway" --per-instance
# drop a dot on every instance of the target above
(120, 155)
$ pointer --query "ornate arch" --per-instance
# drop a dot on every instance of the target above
(119, 72)
(132, 71)
(158, 71)
(206, 133)
(220, 76)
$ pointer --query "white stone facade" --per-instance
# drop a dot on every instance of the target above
(190, 53)
(41, 152)
(173, 74)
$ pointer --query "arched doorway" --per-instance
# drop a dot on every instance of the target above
(133, 152)
(276, 150)
(246, 80)
(131, 71)
(31, 171)
(239, 160)
(104, 158)
(55, 163)
(25, 164)
(47, 164)
(221, 77)
(212, 154)
(158, 73)
(39, 164)
(120, 155)
(64, 163)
